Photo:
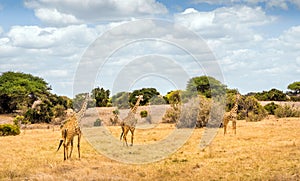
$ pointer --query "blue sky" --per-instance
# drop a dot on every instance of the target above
(256, 43)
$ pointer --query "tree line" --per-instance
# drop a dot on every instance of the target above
(16, 88)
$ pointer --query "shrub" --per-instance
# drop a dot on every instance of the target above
(116, 112)
(9, 129)
(98, 122)
(252, 110)
(287, 111)
(204, 111)
(271, 107)
(253, 117)
(295, 98)
(189, 114)
(171, 116)
(144, 114)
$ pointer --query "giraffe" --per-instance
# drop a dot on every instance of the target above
(231, 116)
(129, 122)
(71, 128)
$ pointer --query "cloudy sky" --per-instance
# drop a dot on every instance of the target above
(255, 43)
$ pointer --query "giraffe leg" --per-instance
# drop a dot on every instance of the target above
(225, 126)
(132, 135)
(78, 145)
(234, 126)
(125, 134)
(122, 132)
(65, 149)
(71, 148)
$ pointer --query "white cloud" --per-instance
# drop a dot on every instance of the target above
(249, 59)
(54, 17)
(283, 4)
(34, 37)
(61, 12)
(228, 24)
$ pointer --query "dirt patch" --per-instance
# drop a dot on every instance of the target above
(6, 118)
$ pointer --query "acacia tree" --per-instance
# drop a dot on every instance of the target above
(101, 96)
(121, 100)
(271, 95)
(18, 91)
(295, 87)
(15, 88)
(148, 94)
(206, 85)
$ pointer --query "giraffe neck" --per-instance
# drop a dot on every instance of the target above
(133, 110)
(82, 111)
(235, 107)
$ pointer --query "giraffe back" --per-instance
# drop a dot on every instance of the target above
(130, 119)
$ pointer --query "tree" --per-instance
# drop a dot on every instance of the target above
(148, 94)
(206, 85)
(15, 88)
(295, 87)
(102, 97)
(271, 95)
(173, 97)
(121, 100)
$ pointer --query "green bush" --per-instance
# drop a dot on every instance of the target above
(144, 113)
(271, 107)
(295, 98)
(252, 110)
(9, 129)
(98, 122)
(287, 111)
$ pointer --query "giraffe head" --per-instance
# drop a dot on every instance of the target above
(238, 96)
(69, 112)
(140, 97)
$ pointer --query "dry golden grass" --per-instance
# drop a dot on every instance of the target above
(267, 150)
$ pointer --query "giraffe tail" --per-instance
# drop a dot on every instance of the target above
(64, 135)
(60, 143)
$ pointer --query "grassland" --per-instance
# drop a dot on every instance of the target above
(266, 150)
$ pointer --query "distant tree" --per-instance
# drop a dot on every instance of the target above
(148, 94)
(271, 95)
(78, 101)
(295, 87)
(271, 107)
(121, 100)
(206, 85)
(157, 100)
(173, 97)
(101, 96)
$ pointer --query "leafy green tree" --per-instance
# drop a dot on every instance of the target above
(78, 101)
(148, 94)
(15, 88)
(295, 87)
(173, 97)
(271, 107)
(121, 100)
(157, 100)
(271, 95)
(252, 110)
(102, 97)
(206, 85)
